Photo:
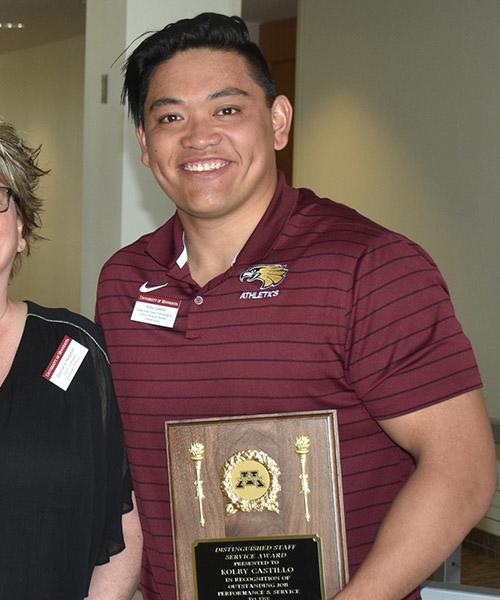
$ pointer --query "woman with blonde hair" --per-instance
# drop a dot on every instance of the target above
(64, 479)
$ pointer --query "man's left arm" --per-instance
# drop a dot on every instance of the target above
(450, 490)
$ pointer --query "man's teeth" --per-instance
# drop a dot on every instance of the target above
(213, 166)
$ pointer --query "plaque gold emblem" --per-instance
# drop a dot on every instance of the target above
(250, 481)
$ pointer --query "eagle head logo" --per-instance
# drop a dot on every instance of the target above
(268, 275)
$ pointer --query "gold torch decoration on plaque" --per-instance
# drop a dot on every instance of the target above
(302, 445)
(250, 480)
(197, 453)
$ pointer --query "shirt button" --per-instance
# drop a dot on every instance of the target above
(198, 300)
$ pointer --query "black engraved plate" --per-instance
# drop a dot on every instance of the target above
(265, 568)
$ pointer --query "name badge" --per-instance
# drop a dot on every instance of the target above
(65, 363)
(156, 311)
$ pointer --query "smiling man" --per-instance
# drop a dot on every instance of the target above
(259, 298)
(209, 134)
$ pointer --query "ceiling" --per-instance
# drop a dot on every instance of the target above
(45, 21)
(50, 20)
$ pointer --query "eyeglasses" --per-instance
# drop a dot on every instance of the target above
(5, 195)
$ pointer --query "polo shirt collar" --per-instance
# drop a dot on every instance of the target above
(166, 245)
(269, 228)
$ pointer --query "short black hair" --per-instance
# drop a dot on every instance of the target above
(207, 30)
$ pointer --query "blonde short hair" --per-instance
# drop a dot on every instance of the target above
(20, 172)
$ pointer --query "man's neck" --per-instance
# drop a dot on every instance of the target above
(212, 250)
(213, 245)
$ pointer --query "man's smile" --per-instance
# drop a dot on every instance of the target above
(204, 166)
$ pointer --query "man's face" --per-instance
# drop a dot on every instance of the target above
(209, 136)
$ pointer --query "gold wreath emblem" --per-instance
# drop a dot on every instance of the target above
(250, 480)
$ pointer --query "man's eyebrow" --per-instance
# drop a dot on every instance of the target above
(165, 102)
(228, 91)
(225, 92)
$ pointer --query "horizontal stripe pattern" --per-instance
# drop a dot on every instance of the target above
(362, 323)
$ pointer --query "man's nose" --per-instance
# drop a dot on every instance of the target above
(200, 134)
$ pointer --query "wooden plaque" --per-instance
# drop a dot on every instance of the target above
(257, 506)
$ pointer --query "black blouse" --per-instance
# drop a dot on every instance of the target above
(64, 479)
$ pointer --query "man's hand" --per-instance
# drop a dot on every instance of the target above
(450, 490)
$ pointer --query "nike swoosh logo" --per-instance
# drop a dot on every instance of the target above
(145, 288)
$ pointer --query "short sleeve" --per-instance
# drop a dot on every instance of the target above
(405, 348)
(115, 471)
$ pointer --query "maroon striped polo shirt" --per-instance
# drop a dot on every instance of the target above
(321, 309)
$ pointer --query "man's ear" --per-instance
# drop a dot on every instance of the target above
(141, 138)
(281, 113)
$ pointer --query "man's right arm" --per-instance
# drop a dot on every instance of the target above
(450, 490)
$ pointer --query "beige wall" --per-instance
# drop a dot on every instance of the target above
(102, 142)
(398, 116)
(41, 93)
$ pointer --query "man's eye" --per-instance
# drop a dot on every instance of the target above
(227, 111)
(170, 118)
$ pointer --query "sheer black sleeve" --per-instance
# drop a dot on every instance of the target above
(115, 471)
